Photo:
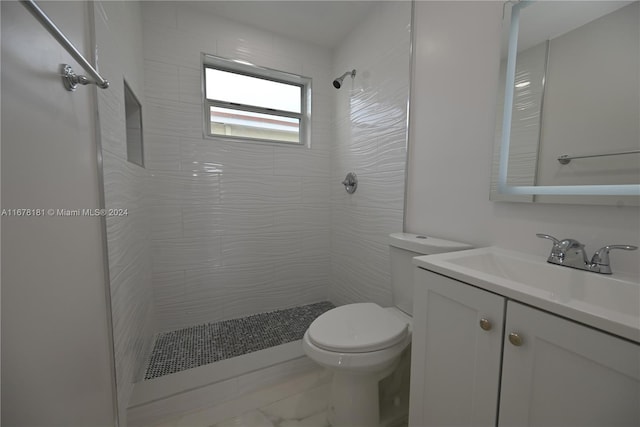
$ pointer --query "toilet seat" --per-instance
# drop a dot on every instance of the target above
(357, 328)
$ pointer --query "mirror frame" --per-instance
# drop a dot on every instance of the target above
(502, 186)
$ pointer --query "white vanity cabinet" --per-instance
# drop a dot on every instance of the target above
(455, 363)
(550, 372)
(566, 374)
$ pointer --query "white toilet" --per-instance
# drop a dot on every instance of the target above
(362, 343)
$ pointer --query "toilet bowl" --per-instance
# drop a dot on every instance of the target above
(362, 342)
(360, 338)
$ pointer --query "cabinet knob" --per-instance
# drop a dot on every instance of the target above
(515, 339)
(485, 324)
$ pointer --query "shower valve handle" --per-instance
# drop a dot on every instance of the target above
(350, 183)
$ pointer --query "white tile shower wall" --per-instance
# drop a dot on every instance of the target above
(237, 228)
(370, 140)
(119, 40)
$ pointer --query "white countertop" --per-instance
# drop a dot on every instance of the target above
(606, 302)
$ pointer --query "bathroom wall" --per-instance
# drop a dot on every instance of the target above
(56, 352)
(370, 140)
(119, 41)
(237, 228)
(452, 130)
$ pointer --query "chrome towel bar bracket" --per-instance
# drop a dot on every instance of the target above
(69, 78)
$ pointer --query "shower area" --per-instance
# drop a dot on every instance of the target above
(231, 249)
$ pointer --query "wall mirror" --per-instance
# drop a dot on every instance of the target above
(568, 123)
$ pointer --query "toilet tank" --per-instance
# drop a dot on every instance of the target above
(403, 247)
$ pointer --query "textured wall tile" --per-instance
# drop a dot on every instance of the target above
(259, 189)
(125, 188)
(370, 135)
(173, 118)
(179, 188)
(161, 152)
(168, 292)
(213, 154)
(165, 188)
(190, 85)
(301, 217)
(246, 249)
(184, 254)
(202, 220)
(201, 188)
(244, 208)
(160, 12)
(316, 189)
(392, 153)
(301, 161)
(170, 45)
(165, 222)
(382, 189)
(247, 219)
(169, 286)
(227, 292)
(161, 80)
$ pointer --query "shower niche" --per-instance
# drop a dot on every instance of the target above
(133, 120)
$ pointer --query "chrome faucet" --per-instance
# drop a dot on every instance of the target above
(571, 253)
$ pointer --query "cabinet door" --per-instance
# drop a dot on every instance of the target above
(455, 363)
(566, 374)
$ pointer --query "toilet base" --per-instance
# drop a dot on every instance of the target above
(354, 401)
(355, 398)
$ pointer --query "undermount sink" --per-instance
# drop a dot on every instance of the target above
(604, 302)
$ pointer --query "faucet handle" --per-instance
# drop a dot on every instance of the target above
(601, 257)
(546, 236)
(557, 254)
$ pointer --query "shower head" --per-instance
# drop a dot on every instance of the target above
(337, 83)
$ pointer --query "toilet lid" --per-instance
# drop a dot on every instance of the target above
(357, 328)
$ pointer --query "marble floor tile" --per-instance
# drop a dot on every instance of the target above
(299, 406)
(305, 409)
(248, 419)
(306, 390)
(316, 420)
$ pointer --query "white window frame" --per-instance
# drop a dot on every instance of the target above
(251, 70)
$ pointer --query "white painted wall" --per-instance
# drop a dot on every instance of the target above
(56, 357)
(370, 125)
(119, 41)
(457, 56)
(237, 228)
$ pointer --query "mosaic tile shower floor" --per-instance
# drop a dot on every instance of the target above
(199, 345)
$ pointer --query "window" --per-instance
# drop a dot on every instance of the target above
(246, 102)
(133, 120)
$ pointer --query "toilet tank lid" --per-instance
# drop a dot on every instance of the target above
(425, 245)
